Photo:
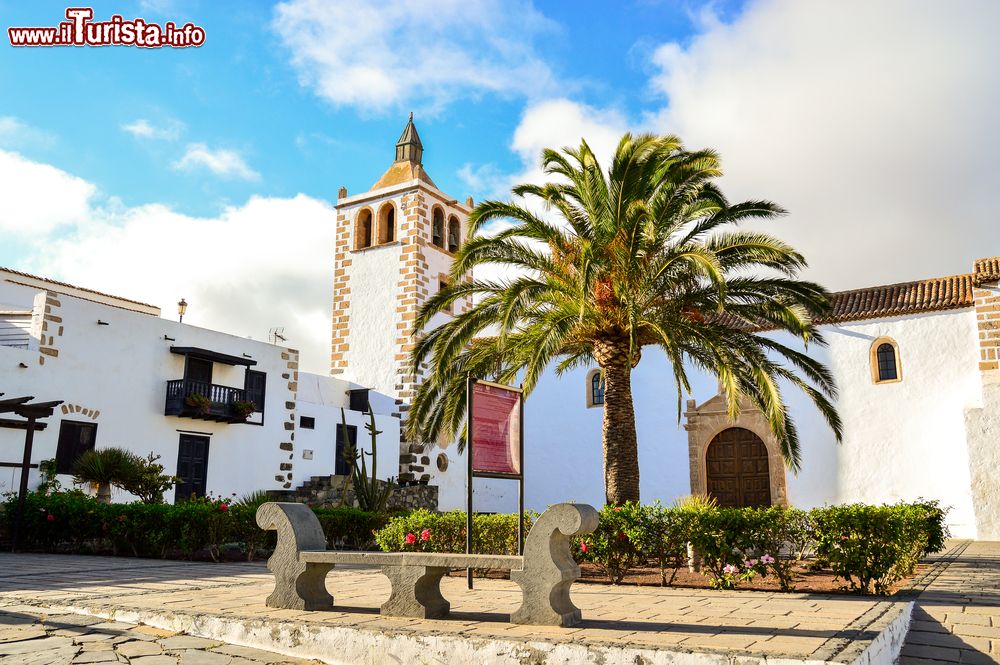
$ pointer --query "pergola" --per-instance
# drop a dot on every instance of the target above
(31, 412)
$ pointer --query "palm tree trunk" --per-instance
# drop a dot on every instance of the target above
(621, 454)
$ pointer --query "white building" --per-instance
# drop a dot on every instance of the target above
(916, 365)
(125, 374)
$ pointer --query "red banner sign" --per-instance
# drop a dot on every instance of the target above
(496, 429)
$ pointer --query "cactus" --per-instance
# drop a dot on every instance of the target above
(370, 496)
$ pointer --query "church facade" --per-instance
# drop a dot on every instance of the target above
(916, 365)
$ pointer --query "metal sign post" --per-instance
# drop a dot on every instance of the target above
(494, 419)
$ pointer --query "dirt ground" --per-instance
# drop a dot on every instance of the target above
(806, 580)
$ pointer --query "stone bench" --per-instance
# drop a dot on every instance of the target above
(545, 573)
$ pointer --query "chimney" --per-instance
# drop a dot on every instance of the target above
(986, 291)
(341, 193)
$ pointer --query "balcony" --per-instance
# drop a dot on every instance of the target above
(219, 407)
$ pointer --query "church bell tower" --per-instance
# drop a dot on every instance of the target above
(394, 248)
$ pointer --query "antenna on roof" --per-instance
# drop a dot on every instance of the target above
(275, 335)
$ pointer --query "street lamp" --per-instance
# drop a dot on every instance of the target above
(182, 307)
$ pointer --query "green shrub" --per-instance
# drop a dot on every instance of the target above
(873, 547)
(350, 528)
(661, 535)
(445, 532)
(612, 546)
(73, 522)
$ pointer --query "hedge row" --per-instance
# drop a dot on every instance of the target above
(72, 522)
(869, 547)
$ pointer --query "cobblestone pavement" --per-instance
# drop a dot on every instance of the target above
(189, 596)
(32, 636)
(957, 615)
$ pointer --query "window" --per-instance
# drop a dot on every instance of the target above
(437, 228)
(341, 465)
(198, 369)
(75, 438)
(307, 422)
(358, 400)
(256, 388)
(453, 234)
(387, 223)
(885, 361)
(595, 388)
(363, 230)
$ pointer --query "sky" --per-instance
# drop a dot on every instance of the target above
(208, 173)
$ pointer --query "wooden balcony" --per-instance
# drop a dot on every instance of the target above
(220, 401)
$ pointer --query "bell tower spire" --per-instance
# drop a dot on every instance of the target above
(408, 147)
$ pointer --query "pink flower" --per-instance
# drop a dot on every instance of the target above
(617, 508)
(425, 535)
(224, 507)
(583, 546)
(410, 539)
(750, 563)
(730, 569)
(767, 559)
(51, 517)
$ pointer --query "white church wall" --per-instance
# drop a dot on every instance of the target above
(374, 280)
(902, 441)
(906, 440)
(316, 449)
(983, 426)
(115, 375)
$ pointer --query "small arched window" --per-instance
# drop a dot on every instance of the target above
(387, 223)
(885, 361)
(363, 230)
(437, 228)
(595, 388)
(453, 234)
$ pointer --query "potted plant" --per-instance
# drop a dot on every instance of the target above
(199, 403)
(244, 408)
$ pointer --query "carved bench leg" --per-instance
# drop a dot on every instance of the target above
(544, 602)
(301, 586)
(416, 592)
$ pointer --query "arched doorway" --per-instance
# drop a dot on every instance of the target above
(738, 473)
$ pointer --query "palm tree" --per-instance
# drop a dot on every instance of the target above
(646, 254)
(104, 468)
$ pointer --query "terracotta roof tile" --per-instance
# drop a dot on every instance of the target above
(928, 295)
(988, 270)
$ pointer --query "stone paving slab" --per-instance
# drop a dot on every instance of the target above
(956, 618)
(225, 602)
(50, 637)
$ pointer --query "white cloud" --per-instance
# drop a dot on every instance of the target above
(142, 129)
(377, 55)
(37, 198)
(873, 123)
(262, 264)
(221, 162)
(16, 134)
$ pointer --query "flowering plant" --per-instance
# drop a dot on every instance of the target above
(200, 403)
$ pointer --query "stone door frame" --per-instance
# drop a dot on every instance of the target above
(705, 422)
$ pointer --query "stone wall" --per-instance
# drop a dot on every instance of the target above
(325, 492)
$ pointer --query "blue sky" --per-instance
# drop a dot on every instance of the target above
(208, 172)
(240, 92)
